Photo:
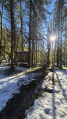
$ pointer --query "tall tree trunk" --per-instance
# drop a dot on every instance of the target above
(1, 30)
(48, 44)
(64, 53)
(33, 41)
(29, 64)
(58, 51)
(61, 39)
(66, 39)
(38, 51)
(12, 32)
(55, 53)
(48, 52)
(36, 28)
(36, 44)
(21, 24)
(58, 39)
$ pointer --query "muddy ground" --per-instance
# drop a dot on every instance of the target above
(15, 107)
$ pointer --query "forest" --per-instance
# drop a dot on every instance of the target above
(33, 59)
(28, 26)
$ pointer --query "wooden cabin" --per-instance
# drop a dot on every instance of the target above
(22, 58)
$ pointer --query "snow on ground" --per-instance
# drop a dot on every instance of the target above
(47, 81)
(11, 84)
(51, 105)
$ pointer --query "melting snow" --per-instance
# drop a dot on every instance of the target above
(51, 106)
(11, 84)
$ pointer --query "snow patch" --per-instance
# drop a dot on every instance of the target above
(9, 85)
(50, 106)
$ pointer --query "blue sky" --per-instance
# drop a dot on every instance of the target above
(6, 23)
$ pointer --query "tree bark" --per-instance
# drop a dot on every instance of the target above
(61, 39)
(21, 24)
(12, 32)
(29, 64)
(36, 43)
(1, 30)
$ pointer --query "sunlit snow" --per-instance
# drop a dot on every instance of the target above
(9, 85)
(51, 105)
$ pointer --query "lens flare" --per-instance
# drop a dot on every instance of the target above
(52, 38)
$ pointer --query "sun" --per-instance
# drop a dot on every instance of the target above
(52, 38)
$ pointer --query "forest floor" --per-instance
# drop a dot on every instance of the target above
(31, 94)
(18, 90)
(51, 105)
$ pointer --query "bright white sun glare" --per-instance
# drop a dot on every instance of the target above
(52, 38)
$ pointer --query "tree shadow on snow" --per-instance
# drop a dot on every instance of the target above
(53, 103)
(60, 85)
